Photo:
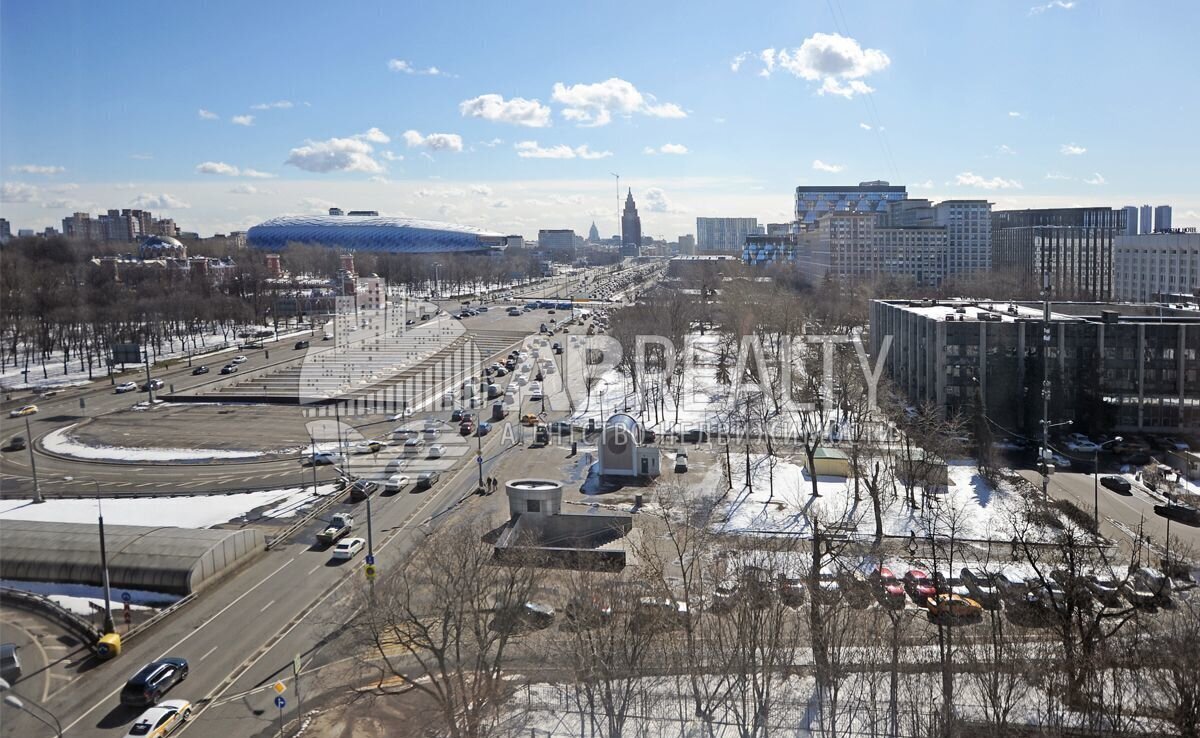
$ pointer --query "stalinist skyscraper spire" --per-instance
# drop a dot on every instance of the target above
(594, 233)
(631, 224)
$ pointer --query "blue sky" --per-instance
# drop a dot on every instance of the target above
(513, 116)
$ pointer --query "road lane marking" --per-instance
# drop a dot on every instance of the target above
(208, 653)
(181, 641)
(310, 571)
(264, 607)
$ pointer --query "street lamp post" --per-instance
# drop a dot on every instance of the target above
(1096, 479)
(15, 702)
(37, 491)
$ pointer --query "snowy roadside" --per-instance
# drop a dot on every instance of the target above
(60, 442)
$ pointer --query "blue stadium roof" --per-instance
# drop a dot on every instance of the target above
(373, 233)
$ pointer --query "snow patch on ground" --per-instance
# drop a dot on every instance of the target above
(202, 511)
(60, 442)
(72, 596)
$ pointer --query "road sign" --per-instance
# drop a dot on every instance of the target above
(369, 570)
(296, 665)
(479, 460)
(280, 702)
(128, 615)
(279, 687)
(126, 597)
(371, 559)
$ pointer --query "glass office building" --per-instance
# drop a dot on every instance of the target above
(867, 197)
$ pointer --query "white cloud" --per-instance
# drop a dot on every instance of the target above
(493, 143)
(374, 135)
(18, 192)
(718, 121)
(654, 200)
(246, 189)
(164, 201)
(391, 155)
(1014, 114)
(400, 65)
(1096, 179)
(141, 157)
(277, 105)
(838, 62)
(1006, 150)
(968, 179)
(531, 150)
(501, 204)
(595, 104)
(821, 166)
(335, 155)
(1057, 175)
(229, 170)
(667, 148)
(243, 120)
(736, 64)
(482, 190)
(865, 126)
(926, 185)
(1060, 4)
(217, 167)
(208, 115)
(517, 111)
(37, 169)
(64, 187)
(434, 141)
(315, 205)
(1071, 149)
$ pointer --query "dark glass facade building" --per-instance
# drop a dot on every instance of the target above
(1073, 245)
(631, 227)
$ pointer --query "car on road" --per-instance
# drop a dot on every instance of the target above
(693, 435)
(413, 446)
(347, 549)
(362, 489)
(153, 384)
(523, 617)
(152, 681)
(982, 586)
(456, 415)
(1180, 511)
(436, 451)
(919, 586)
(229, 369)
(951, 607)
(467, 427)
(483, 428)
(425, 480)
(300, 345)
(368, 447)
(395, 483)
(1105, 591)
(410, 321)
(16, 443)
(681, 461)
(889, 592)
(161, 720)
(199, 370)
(1116, 484)
(239, 359)
(124, 387)
(23, 411)
(1171, 443)
(10, 662)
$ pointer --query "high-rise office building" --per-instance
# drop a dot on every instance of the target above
(867, 197)
(631, 225)
(1131, 220)
(687, 244)
(5, 230)
(1162, 218)
(1073, 245)
(561, 239)
(968, 225)
(723, 235)
(1153, 267)
(593, 233)
(1146, 220)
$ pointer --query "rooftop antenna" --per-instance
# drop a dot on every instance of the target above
(621, 236)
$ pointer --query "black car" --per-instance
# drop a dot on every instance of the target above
(16, 443)
(152, 681)
(199, 370)
(362, 489)
(229, 369)
(1116, 484)
(1179, 511)
(301, 345)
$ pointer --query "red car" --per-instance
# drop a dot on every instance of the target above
(919, 586)
(890, 592)
(467, 427)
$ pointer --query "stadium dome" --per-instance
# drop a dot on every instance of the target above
(162, 247)
(373, 233)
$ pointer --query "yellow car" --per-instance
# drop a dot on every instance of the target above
(529, 419)
(953, 607)
(161, 720)
(23, 411)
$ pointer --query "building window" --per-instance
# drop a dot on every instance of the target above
(533, 506)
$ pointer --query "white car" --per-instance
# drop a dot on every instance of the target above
(161, 720)
(431, 434)
(413, 446)
(126, 387)
(348, 548)
(239, 359)
(402, 415)
(1084, 446)
(437, 451)
(368, 447)
(1060, 461)
(395, 483)
(323, 458)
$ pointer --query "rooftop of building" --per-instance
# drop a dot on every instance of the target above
(967, 310)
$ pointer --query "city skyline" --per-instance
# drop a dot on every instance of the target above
(413, 114)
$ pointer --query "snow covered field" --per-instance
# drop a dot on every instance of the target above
(182, 512)
(60, 442)
(75, 597)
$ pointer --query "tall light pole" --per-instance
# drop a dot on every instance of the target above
(109, 625)
(37, 490)
(17, 703)
(1045, 450)
(620, 236)
(1096, 479)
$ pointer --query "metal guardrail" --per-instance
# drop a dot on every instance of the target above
(45, 606)
(305, 519)
(157, 617)
(113, 494)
